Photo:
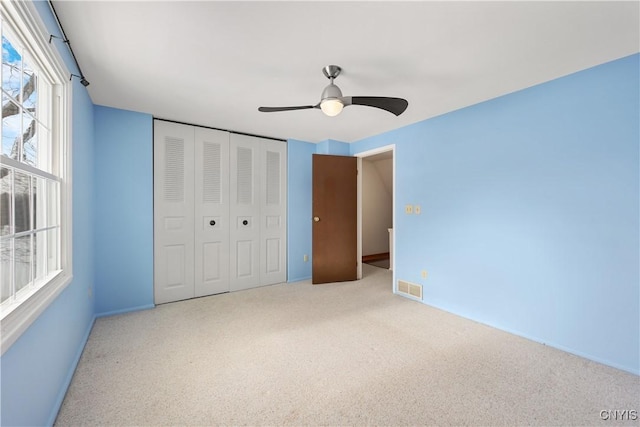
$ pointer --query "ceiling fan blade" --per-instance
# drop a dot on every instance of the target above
(392, 105)
(274, 109)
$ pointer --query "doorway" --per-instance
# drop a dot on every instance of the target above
(376, 206)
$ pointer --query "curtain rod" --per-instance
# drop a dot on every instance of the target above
(65, 39)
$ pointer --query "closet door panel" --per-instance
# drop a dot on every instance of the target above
(211, 212)
(273, 212)
(244, 191)
(219, 211)
(173, 212)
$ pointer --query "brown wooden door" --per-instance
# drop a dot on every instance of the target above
(335, 189)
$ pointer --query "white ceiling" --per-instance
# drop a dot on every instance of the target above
(214, 63)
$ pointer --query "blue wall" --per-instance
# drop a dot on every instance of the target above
(333, 147)
(37, 369)
(299, 155)
(123, 206)
(530, 211)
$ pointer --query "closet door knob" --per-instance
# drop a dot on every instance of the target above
(316, 219)
(245, 222)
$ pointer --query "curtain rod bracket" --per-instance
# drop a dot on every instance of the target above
(51, 36)
(84, 81)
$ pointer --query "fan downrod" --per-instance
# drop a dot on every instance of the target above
(331, 71)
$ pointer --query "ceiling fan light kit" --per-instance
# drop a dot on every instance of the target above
(331, 105)
(332, 102)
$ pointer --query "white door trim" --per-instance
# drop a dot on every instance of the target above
(360, 156)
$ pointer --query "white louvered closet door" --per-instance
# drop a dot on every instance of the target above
(244, 191)
(273, 212)
(211, 212)
(173, 212)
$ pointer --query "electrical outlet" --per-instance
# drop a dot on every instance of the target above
(408, 209)
(417, 210)
(305, 258)
(424, 274)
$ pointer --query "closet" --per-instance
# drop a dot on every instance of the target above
(219, 211)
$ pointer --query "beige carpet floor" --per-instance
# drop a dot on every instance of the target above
(384, 263)
(338, 354)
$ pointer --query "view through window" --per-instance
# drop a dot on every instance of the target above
(32, 168)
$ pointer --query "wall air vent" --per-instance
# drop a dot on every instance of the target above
(410, 289)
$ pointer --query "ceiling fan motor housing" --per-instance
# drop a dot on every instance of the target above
(331, 91)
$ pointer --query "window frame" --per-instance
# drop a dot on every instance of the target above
(27, 25)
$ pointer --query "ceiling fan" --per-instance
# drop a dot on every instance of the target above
(332, 102)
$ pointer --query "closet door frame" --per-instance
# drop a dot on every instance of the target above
(224, 227)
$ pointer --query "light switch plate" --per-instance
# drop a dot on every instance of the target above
(417, 210)
(408, 209)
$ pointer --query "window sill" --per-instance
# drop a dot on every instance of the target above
(17, 318)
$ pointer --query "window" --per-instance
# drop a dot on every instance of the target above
(35, 261)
